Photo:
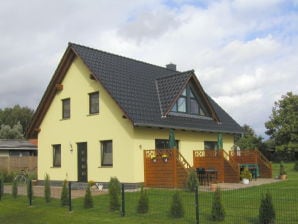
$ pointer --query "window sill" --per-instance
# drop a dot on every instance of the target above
(90, 115)
(55, 167)
(105, 167)
(64, 119)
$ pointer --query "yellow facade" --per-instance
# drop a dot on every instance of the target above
(109, 124)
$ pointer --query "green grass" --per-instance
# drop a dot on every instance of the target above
(242, 206)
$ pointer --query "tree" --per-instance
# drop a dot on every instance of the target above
(266, 210)
(88, 200)
(143, 204)
(218, 211)
(47, 188)
(249, 140)
(16, 115)
(64, 194)
(283, 124)
(16, 132)
(114, 193)
(177, 209)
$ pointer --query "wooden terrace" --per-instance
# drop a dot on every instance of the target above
(169, 169)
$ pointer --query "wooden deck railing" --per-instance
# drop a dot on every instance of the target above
(183, 161)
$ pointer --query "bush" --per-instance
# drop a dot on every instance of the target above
(192, 181)
(296, 165)
(266, 211)
(143, 204)
(282, 169)
(8, 177)
(64, 194)
(47, 188)
(218, 211)
(114, 193)
(177, 210)
(88, 201)
(14, 189)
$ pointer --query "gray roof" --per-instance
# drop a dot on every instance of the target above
(16, 144)
(146, 92)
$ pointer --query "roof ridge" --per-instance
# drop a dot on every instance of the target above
(176, 73)
(118, 55)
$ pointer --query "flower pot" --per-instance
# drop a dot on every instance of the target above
(283, 177)
(245, 181)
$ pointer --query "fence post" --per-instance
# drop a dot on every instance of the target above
(30, 191)
(122, 200)
(69, 196)
(0, 188)
(197, 205)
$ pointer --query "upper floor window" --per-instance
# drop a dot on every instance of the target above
(210, 145)
(164, 144)
(188, 103)
(94, 103)
(57, 155)
(66, 108)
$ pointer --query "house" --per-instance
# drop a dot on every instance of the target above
(16, 154)
(101, 111)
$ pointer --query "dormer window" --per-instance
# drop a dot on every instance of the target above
(188, 103)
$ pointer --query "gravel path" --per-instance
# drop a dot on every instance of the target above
(55, 191)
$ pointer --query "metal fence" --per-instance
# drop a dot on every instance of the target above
(240, 205)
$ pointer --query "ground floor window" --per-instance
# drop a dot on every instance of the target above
(57, 155)
(106, 153)
(164, 144)
(210, 145)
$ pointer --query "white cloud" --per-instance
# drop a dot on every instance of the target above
(244, 52)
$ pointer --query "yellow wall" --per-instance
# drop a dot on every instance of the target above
(128, 142)
(82, 127)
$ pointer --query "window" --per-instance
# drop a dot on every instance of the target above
(188, 103)
(94, 103)
(164, 144)
(66, 108)
(210, 145)
(106, 153)
(56, 155)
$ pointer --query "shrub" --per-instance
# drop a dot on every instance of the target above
(114, 193)
(192, 181)
(64, 194)
(266, 211)
(14, 189)
(218, 211)
(143, 204)
(296, 165)
(282, 169)
(177, 210)
(88, 201)
(47, 188)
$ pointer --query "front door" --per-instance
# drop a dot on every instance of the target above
(82, 161)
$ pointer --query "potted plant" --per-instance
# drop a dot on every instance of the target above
(165, 157)
(153, 158)
(246, 175)
(282, 171)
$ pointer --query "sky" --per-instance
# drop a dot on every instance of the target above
(244, 52)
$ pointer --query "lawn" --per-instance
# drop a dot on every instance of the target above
(241, 206)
